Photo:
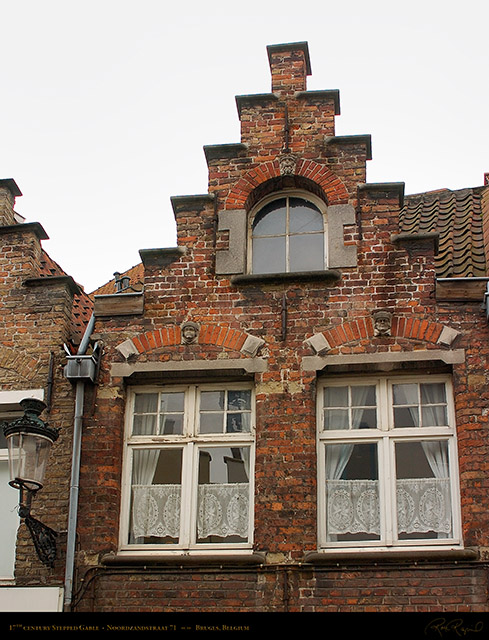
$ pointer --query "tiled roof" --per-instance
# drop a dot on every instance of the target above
(82, 303)
(136, 275)
(457, 217)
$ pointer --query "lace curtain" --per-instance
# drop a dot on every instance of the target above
(423, 505)
(222, 510)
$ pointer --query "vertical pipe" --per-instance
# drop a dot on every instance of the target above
(74, 490)
(75, 474)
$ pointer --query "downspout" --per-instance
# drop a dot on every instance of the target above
(75, 473)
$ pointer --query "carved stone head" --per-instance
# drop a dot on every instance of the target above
(190, 332)
(382, 323)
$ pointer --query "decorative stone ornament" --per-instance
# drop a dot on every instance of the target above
(190, 332)
(287, 163)
(382, 323)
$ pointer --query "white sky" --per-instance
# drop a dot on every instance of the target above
(106, 104)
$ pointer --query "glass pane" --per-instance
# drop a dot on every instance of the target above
(156, 491)
(173, 401)
(144, 425)
(306, 253)
(271, 220)
(336, 419)
(269, 255)
(405, 394)
(352, 492)
(363, 396)
(212, 401)
(237, 422)
(336, 397)
(211, 422)
(364, 419)
(223, 494)
(434, 416)
(406, 417)
(171, 424)
(239, 400)
(146, 403)
(304, 216)
(424, 505)
(433, 393)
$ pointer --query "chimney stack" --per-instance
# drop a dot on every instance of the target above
(290, 65)
(8, 192)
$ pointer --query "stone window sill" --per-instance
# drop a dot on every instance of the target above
(373, 557)
(183, 559)
(280, 278)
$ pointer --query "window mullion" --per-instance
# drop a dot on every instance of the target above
(187, 496)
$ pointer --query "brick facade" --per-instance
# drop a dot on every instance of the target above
(285, 333)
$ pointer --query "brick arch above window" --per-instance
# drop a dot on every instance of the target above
(360, 329)
(209, 334)
(16, 365)
(319, 174)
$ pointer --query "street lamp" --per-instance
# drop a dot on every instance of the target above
(29, 442)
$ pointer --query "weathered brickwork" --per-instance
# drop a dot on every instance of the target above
(36, 321)
(285, 333)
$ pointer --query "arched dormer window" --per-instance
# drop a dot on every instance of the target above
(288, 234)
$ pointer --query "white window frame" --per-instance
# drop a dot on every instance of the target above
(279, 195)
(386, 436)
(191, 441)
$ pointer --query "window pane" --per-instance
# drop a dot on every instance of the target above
(212, 401)
(211, 422)
(146, 403)
(336, 419)
(364, 419)
(433, 394)
(239, 400)
(269, 255)
(271, 220)
(363, 396)
(223, 494)
(336, 397)
(171, 424)
(156, 491)
(406, 417)
(306, 253)
(237, 422)
(434, 416)
(304, 216)
(405, 394)
(424, 505)
(352, 492)
(172, 401)
(144, 425)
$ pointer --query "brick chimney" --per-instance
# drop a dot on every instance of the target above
(290, 65)
(8, 192)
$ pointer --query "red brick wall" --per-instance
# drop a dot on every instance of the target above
(389, 275)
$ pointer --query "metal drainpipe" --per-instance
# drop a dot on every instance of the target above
(75, 474)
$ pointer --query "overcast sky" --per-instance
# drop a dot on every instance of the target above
(106, 105)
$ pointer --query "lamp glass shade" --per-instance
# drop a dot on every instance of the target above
(28, 454)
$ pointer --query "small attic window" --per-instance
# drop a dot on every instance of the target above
(287, 235)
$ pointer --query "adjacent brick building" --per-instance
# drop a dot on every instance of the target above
(290, 412)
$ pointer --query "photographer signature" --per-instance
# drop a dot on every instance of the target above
(442, 626)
